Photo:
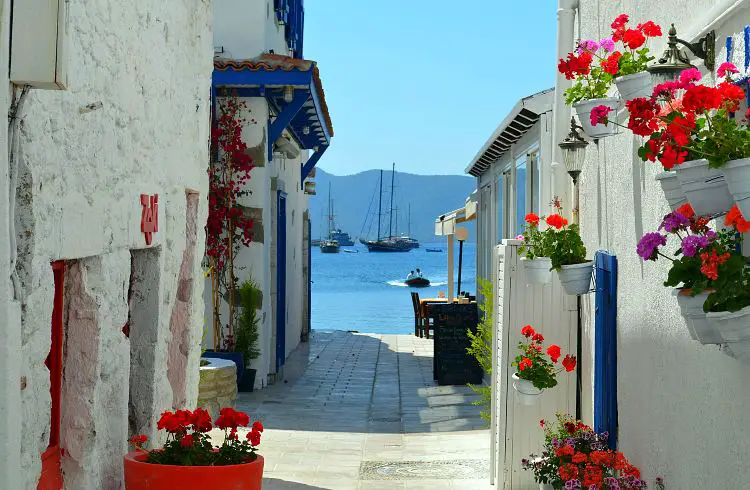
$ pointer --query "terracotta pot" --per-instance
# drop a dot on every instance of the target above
(140, 475)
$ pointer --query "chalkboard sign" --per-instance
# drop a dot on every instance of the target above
(452, 365)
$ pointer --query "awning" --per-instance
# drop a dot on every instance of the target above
(446, 223)
(294, 91)
(520, 119)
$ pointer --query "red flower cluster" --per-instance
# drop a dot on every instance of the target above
(611, 64)
(633, 38)
(534, 366)
(532, 219)
(556, 221)
(734, 218)
(575, 65)
(710, 263)
(138, 441)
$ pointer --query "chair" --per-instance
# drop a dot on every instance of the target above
(421, 323)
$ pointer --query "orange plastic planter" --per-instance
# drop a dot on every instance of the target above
(140, 475)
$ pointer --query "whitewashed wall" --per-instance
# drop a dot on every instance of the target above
(682, 406)
(515, 430)
(81, 174)
(247, 28)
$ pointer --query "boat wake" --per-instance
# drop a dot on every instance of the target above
(402, 284)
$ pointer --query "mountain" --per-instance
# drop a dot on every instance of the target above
(353, 195)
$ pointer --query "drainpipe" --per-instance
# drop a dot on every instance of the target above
(566, 16)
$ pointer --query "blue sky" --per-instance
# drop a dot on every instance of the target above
(424, 83)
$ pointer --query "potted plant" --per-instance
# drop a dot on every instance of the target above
(535, 372)
(576, 457)
(691, 128)
(567, 253)
(592, 67)
(536, 263)
(189, 461)
(246, 331)
(632, 79)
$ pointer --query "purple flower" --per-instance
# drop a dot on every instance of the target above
(604, 436)
(649, 245)
(593, 487)
(572, 484)
(556, 442)
(524, 462)
(691, 244)
(674, 222)
(607, 44)
(612, 483)
(587, 45)
(570, 441)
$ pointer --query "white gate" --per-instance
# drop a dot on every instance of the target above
(515, 430)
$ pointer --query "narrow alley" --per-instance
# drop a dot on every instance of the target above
(361, 411)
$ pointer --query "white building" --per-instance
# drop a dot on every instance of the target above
(258, 46)
(100, 314)
(677, 408)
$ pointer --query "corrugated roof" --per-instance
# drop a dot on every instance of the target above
(521, 118)
(273, 62)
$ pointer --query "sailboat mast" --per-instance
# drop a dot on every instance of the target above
(330, 215)
(390, 226)
(380, 203)
(409, 228)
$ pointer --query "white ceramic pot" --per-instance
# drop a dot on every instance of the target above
(546, 486)
(733, 327)
(706, 188)
(583, 108)
(538, 270)
(527, 393)
(737, 175)
(739, 350)
(576, 278)
(699, 327)
(636, 85)
(672, 189)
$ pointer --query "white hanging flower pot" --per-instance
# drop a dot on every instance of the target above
(739, 350)
(527, 393)
(706, 188)
(576, 278)
(733, 326)
(538, 270)
(546, 486)
(672, 189)
(584, 107)
(698, 325)
(737, 175)
(639, 84)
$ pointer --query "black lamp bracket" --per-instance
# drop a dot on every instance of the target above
(704, 48)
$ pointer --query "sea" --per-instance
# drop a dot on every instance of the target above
(365, 292)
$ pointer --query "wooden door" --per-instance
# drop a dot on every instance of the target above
(51, 478)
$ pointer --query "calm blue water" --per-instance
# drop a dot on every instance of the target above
(365, 291)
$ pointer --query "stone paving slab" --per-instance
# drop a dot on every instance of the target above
(361, 411)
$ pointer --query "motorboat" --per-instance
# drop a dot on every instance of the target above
(417, 282)
(330, 247)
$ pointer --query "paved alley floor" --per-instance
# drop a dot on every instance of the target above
(361, 411)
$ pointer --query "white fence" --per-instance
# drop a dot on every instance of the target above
(515, 430)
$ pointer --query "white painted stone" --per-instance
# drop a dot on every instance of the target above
(218, 385)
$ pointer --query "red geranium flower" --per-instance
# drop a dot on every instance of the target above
(570, 427)
(201, 420)
(611, 65)
(650, 29)
(579, 458)
(525, 363)
(532, 219)
(564, 451)
(592, 475)
(138, 441)
(186, 441)
(554, 352)
(537, 337)
(541, 423)
(568, 472)
(633, 38)
(602, 458)
(258, 425)
(556, 221)
(569, 363)
(527, 331)
(254, 437)
(734, 218)
(686, 210)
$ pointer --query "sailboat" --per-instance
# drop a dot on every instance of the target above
(389, 243)
(411, 242)
(330, 245)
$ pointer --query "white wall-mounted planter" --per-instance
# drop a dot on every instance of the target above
(739, 350)
(527, 393)
(639, 84)
(698, 325)
(737, 175)
(733, 326)
(583, 109)
(546, 486)
(538, 270)
(672, 189)
(576, 278)
(706, 188)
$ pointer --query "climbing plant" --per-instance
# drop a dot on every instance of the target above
(481, 346)
(227, 227)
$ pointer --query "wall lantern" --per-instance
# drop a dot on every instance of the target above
(306, 130)
(288, 94)
(674, 59)
(574, 156)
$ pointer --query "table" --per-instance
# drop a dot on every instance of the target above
(424, 304)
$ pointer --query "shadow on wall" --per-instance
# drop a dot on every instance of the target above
(277, 484)
(346, 382)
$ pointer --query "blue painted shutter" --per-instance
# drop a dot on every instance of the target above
(605, 355)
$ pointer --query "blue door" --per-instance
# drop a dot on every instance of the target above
(605, 342)
(280, 280)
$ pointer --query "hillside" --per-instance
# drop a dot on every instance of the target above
(353, 195)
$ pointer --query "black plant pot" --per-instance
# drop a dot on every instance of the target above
(245, 385)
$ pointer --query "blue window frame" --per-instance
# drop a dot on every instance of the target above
(291, 13)
(520, 194)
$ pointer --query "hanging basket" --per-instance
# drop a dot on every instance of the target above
(672, 189)
(705, 188)
(737, 175)
(527, 393)
(538, 270)
(576, 278)
(583, 109)
(698, 326)
(639, 84)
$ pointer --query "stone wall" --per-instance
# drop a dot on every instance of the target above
(145, 67)
(218, 386)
